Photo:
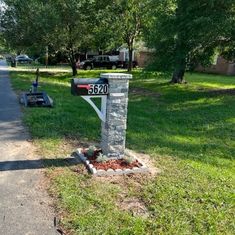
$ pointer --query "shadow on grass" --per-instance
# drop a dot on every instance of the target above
(197, 132)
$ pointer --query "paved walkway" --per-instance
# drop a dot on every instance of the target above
(24, 205)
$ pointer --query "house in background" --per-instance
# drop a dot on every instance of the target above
(221, 66)
(124, 54)
(142, 55)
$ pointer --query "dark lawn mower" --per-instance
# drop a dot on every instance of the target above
(34, 98)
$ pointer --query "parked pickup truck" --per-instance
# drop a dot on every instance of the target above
(103, 61)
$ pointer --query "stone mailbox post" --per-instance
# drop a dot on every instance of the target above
(112, 88)
(113, 133)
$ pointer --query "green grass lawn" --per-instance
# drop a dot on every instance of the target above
(189, 132)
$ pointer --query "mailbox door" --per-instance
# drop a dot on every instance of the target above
(89, 87)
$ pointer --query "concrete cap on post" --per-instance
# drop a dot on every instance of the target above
(117, 76)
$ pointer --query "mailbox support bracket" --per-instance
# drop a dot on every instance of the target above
(101, 113)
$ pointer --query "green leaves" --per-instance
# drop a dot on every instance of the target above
(192, 30)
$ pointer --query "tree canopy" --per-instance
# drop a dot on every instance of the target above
(133, 18)
(184, 33)
(73, 26)
(27, 24)
(187, 33)
(61, 24)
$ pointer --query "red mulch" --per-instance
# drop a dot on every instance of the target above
(110, 164)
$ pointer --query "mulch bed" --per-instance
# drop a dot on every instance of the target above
(113, 164)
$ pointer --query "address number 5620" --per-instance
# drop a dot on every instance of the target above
(98, 89)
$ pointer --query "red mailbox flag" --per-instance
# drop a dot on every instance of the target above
(84, 86)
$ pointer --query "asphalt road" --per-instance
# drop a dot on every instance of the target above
(25, 207)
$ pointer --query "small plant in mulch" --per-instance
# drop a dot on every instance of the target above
(91, 151)
(101, 158)
(129, 159)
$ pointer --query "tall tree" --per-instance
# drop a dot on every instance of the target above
(105, 35)
(186, 33)
(121, 22)
(132, 18)
(27, 24)
(74, 26)
(59, 24)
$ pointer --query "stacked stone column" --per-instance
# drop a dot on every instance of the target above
(113, 133)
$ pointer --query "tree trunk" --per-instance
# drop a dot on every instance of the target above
(178, 75)
(180, 61)
(73, 62)
(74, 68)
(130, 62)
(180, 66)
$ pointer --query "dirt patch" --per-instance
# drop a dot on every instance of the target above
(143, 92)
(129, 198)
(79, 169)
(131, 180)
(147, 160)
(135, 206)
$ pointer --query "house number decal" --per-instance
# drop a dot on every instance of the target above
(98, 89)
(95, 89)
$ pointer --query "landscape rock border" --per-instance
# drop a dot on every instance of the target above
(110, 172)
